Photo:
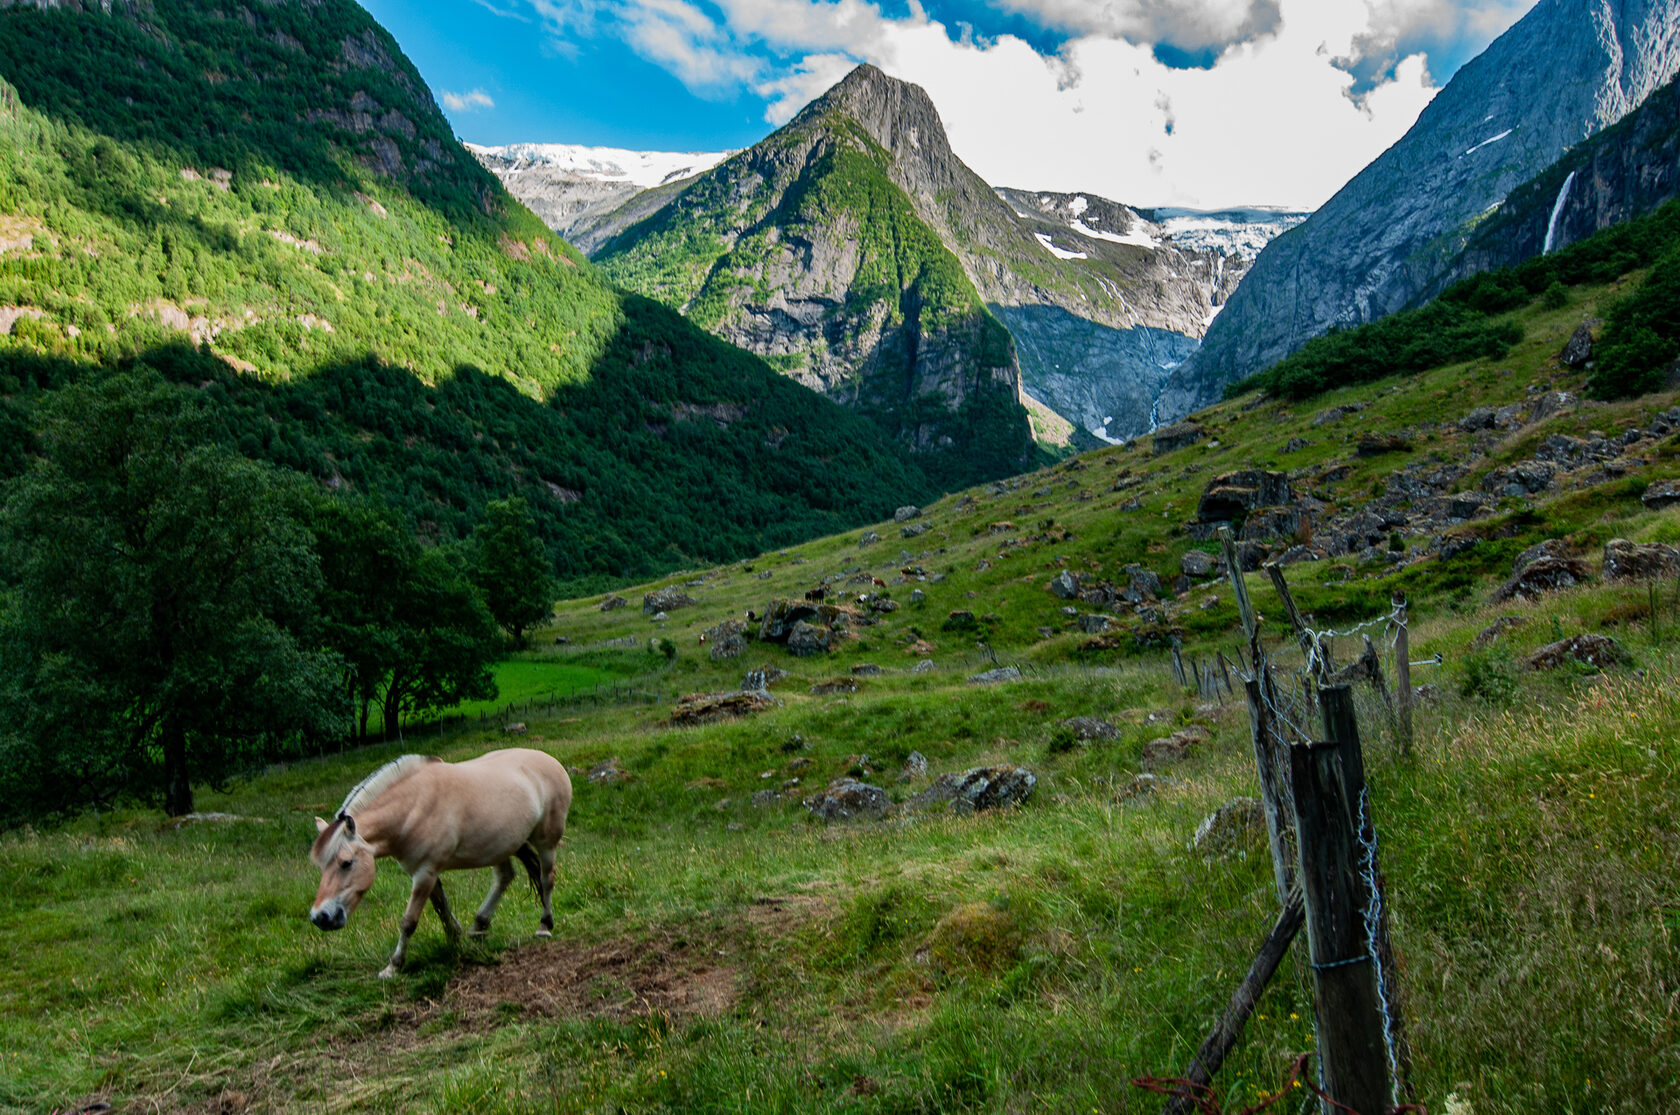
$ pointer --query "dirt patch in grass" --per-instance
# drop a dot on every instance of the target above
(675, 977)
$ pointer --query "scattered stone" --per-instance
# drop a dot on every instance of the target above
(607, 772)
(1295, 444)
(1230, 497)
(1495, 630)
(1663, 493)
(1552, 403)
(1197, 563)
(925, 666)
(915, 766)
(705, 708)
(1143, 587)
(993, 677)
(613, 603)
(515, 729)
(1232, 829)
(1541, 569)
(1375, 445)
(1631, 561)
(1146, 784)
(1065, 585)
(763, 678)
(1089, 727)
(1170, 750)
(766, 798)
(1508, 416)
(1296, 554)
(1594, 650)
(727, 640)
(978, 789)
(666, 600)
(1479, 419)
(846, 798)
(1176, 436)
(1095, 623)
(906, 513)
(1336, 414)
(866, 669)
(1521, 479)
(917, 597)
(913, 530)
(807, 640)
(869, 538)
(836, 685)
(1579, 348)
(658, 617)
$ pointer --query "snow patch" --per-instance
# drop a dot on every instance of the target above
(1134, 235)
(645, 169)
(1058, 252)
(1490, 139)
(1078, 205)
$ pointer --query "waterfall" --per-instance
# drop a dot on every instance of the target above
(1557, 211)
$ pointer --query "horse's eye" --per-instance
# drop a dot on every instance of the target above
(345, 865)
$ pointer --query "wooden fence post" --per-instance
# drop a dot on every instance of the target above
(1178, 664)
(1352, 1047)
(1403, 672)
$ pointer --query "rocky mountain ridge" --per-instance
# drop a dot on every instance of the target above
(1389, 234)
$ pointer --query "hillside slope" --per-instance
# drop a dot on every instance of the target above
(1566, 70)
(277, 188)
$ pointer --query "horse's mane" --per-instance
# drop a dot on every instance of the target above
(383, 779)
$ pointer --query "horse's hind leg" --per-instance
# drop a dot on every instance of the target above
(498, 885)
(545, 887)
(441, 905)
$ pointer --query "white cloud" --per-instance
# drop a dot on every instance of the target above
(466, 102)
(1299, 94)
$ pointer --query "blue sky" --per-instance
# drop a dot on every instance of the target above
(1197, 102)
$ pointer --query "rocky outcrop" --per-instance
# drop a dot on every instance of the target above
(1388, 236)
(1231, 496)
(1588, 649)
(846, 799)
(1631, 561)
(705, 708)
(981, 788)
(666, 600)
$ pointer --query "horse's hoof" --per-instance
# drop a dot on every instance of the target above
(544, 933)
(388, 971)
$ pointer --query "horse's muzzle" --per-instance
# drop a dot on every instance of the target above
(329, 919)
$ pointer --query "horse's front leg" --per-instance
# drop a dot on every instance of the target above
(423, 883)
(441, 904)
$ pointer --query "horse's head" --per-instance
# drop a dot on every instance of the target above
(346, 863)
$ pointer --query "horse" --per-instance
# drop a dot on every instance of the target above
(433, 816)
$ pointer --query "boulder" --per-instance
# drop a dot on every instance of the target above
(1631, 561)
(912, 530)
(1543, 575)
(1176, 436)
(766, 798)
(607, 772)
(612, 603)
(978, 789)
(994, 677)
(846, 798)
(1142, 586)
(807, 639)
(1509, 415)
(1233, 495)
(1521, 479)
(1551, 404)
(666, 600)
(925, 666)
(1579, 348)
(1198, 563)
(906, 513)
(1095, 623)
(1336, 414)
(782, 616)
(727, 640)
(1145, 785)
(1375, 444)
(869, 538)
(705, 708)
(915, 766)
(763, 678)
(917, 597)
(866, 669)
(1663, 493)
(1167, 751)
(1065, 585)
(1594, 650)
(1271, 524)
(1089, 727)
(1479, 419)
(1232, 829)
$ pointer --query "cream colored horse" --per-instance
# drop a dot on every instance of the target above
(433, 816)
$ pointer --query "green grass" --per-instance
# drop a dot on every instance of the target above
(1034, 960)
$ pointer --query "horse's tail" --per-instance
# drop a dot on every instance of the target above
(533, 865)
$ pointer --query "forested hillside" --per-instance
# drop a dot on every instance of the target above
(266, 204)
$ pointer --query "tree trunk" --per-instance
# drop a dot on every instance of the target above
(177, 787)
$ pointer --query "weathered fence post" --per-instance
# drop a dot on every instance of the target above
(1178, 663)
(1403, 672)
(1352, 1043)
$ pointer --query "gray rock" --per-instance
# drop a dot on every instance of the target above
(1065, 585)
(761, 679)
(1089, 727)
(866, 669)
(607, 772)
(913, 530)
(1521, 479)
(847, 798)
(1495, 631)
(1197, 563)
(1664, 493)
(1593, 650)
(666, 600)
(766, 798)
(1579, 348)
(906, 513)
(1095, 623)
(1550, 405)
(978, 789)
(1169, 750)
(993, 677)
(807, 640)
(915, 766)
(1233, 495)
(1479, 419)
(869, 538)
(727, 640)
(917, 596)
(1232, 829)
(1509, 415)
(1169, 438)
(1631, 561)
(1142, 585)
(613, 603)
(925, 666)
(1541, 575)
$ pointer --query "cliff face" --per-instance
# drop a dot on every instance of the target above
(1626, 170)
(1562, 73)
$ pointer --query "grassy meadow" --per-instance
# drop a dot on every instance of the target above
(716, 955)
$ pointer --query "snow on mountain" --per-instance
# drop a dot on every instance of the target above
(1228, 232)
(645, 169)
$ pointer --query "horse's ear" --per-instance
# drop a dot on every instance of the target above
(349, 825)
(320, 825)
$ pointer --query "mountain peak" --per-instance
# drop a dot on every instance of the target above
(897, 114)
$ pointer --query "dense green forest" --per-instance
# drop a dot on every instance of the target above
(266, 206)
(1641, 336)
